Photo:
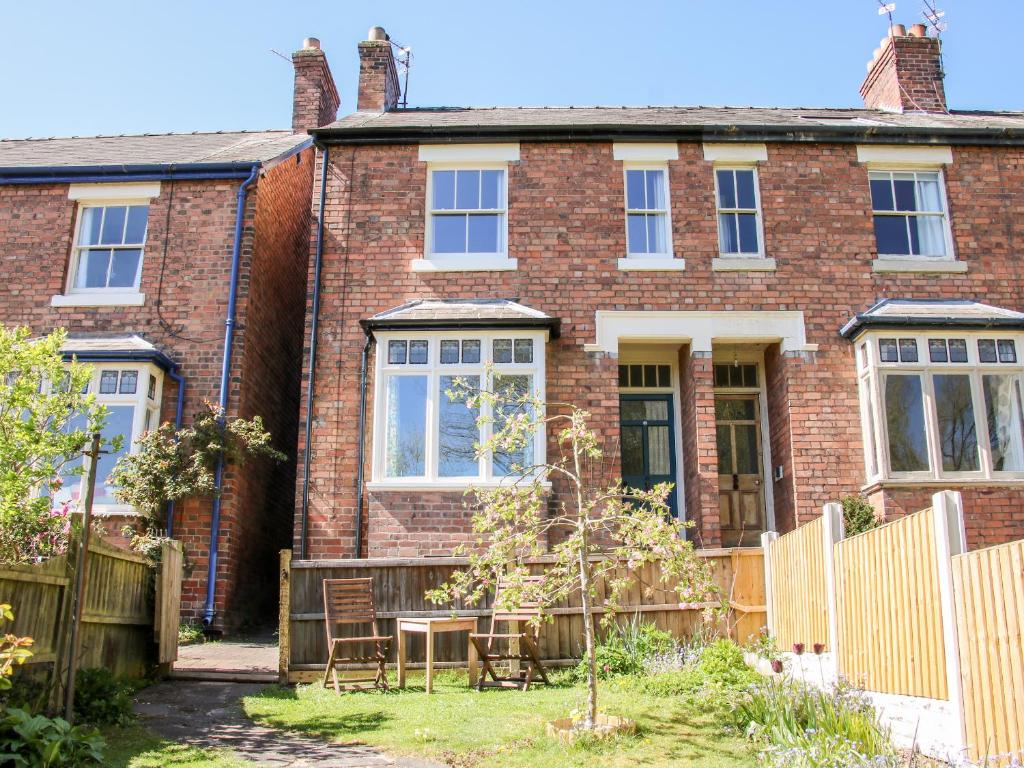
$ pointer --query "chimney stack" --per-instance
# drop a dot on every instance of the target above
(905, 74)
(315, 101)
(379, 90)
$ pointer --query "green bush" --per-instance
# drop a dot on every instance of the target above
(719, 668)
(805, 726)
(626, 649)
(189, 633)
(858, 515)
(34, 741)
(101, 698)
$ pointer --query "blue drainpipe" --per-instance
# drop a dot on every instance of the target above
(180, 381)
(225, 372)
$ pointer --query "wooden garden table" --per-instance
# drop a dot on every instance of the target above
(429, 628)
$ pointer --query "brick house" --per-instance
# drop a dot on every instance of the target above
(772, 308)
(177, 263)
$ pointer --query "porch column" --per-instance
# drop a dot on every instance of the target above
(700, 447)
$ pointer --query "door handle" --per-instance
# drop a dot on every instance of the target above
(757, 482)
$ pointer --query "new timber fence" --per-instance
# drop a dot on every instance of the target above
(909, 611)
(118, 618)
(400, 586)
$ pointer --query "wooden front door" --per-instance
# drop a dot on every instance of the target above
(740, 470)
(648, 450)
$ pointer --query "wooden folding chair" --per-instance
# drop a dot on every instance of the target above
(350, 601)
(520, 647)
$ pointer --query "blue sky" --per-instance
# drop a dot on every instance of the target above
(112, 66)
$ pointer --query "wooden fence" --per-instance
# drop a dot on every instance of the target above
(400, 586)
(989, 586)
(799, 607)
(915, 614)
(117, 630)
(889, 609)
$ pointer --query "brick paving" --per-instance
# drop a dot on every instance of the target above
(236, 656)
(209, 715)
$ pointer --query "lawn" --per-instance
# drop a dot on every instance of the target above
(136, 747)
(466, 728)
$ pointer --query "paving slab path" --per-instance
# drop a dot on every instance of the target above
(209, 715)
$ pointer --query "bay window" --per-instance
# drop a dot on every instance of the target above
(941, 405)
(425, 432)
(131, 396)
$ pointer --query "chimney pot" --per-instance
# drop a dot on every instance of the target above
(377, 33)
(897, 30)
(311, 43)
(918, 30)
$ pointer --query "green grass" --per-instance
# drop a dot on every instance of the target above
(466, 728)
(137, 747)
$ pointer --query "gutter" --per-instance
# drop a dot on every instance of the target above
(225, 376)
(860, 323)
(551, 324)
(311, 381)
(69, 174)
(724, 132)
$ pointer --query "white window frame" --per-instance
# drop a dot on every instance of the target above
(433, 370)
(465, 157)
(101, 196)
(871, 375)
(665, 213)
(140, 401)
(758, 217)
(947, 230)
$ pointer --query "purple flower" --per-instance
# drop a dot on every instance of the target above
(819, 648)
(798, 649)
(777, 666)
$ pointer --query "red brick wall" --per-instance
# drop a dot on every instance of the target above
(185, 278)
(566, 229)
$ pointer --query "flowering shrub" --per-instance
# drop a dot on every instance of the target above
(175, 464)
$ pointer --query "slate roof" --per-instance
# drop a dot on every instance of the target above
(512, 120)
(221, 148)
(112, 347)
(461, 313)
(908, 313)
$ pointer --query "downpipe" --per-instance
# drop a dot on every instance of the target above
(225, 373)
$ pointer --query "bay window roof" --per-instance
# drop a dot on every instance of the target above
(926, 313)
(452, 314)
(98, 347)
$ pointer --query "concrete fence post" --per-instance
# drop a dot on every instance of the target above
(832, 531)
(950, 540)
(767, 539)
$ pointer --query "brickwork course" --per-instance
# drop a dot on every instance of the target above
(566, 228)
(185, 279)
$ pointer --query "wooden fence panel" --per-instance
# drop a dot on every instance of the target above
(167, 611)
(799, 599)
(36, 594)
(889, 611)
(989, 589)
(117, 617)
(400, 586)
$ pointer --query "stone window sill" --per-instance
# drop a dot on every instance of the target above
(657, 264)
(113, 299)
(465, 264)
(426, 486)
(739, 264)
(919, 265)
(950, 482)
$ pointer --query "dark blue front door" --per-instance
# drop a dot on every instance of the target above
(648, 451)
